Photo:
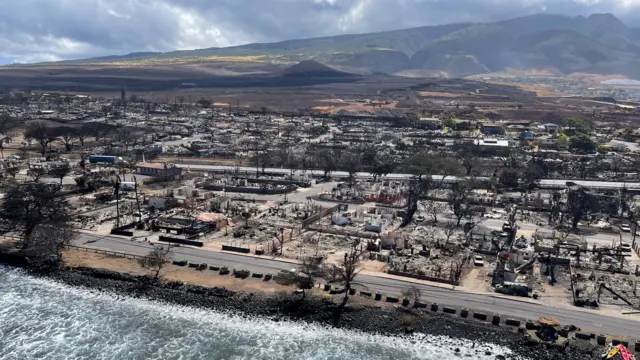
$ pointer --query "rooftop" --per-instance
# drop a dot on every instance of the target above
(491, 142)
(150, 165)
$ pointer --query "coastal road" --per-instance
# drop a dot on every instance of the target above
(486, 302)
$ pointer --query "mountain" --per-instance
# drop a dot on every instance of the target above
(312, 69)
(634, 35)
(599, 43)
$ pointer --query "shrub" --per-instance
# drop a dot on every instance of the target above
(242, 274)
(407, 320)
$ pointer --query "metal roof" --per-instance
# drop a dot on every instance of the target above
(544, 183)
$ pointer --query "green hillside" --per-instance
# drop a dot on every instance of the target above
(599, 43)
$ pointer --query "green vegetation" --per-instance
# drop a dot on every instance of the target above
(582, 143)
(577, 126)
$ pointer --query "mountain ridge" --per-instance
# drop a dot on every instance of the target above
(599, 43)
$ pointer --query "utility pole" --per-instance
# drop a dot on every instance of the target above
(117, 193)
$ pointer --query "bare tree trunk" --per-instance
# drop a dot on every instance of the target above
(26, 242)
(346, 297)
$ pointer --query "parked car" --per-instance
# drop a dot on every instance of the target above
(478, 260)
(420, 218)
(625, 227)
(625, 247)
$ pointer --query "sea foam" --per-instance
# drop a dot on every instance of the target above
(43, 319)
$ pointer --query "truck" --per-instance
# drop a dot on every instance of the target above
(104, 159)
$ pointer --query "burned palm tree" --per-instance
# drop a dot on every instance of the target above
(346, 271)
(116, 192)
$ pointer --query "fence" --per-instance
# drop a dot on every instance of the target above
(180, 241)
(123, 230)
(423, 277)
(106, 252)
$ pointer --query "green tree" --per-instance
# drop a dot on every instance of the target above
(582, 143)
(449, 122)
(563, 139)
(577, 126)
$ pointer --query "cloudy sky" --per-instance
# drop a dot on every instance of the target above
(44, 30)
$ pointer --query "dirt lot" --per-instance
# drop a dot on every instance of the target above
(171, 272)
(207, 278)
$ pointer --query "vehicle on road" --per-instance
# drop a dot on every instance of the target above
(478, 260)
(625, 227)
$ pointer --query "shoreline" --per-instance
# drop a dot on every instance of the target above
(396, 321)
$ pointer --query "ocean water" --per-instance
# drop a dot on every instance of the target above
(42, 319)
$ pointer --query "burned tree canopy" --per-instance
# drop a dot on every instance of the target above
(41, 133)
(422, 166)
(580, 203)
(458, 199)
(29, 209)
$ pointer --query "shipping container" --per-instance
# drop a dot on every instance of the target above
(104, 159)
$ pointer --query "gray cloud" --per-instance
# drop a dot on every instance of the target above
(40, 30)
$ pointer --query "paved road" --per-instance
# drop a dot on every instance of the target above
(486, 302)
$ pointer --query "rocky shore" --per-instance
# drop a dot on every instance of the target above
(397, 322)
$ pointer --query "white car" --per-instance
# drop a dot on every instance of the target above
(478, 260)
(625, 227)
(625, 247)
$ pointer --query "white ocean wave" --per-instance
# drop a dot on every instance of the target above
(42, 319)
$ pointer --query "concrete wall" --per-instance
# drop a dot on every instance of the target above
(330, 230)
(311, 219)
(421, 277)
